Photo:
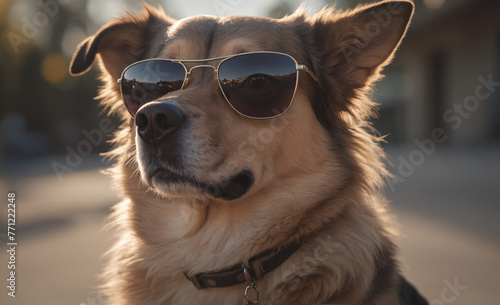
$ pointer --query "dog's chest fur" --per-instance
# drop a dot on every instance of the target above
(157, 268)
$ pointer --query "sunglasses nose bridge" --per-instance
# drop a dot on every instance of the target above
(201, 66)
(196, 67)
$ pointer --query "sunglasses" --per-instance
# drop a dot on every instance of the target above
(258, 85)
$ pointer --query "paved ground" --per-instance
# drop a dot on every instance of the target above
(449, 212)
(448, 209)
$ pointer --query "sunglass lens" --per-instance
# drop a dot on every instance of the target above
(147, 81)
(259, 85)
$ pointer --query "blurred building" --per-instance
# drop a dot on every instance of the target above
(440, 75)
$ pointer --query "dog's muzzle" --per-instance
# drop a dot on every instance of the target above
(159, 127)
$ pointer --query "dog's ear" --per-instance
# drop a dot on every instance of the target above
(120, 42)
(348, 52)
(358, 43)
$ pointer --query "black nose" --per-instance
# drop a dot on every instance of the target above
(156, 122)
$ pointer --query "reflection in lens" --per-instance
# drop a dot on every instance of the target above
(150, 80)
(237, 78)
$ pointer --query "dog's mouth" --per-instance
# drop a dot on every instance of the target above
(228, 189)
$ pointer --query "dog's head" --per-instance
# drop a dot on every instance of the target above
(193, 143)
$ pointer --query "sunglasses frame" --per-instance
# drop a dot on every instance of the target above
(298, 68)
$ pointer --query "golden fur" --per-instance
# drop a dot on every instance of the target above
(318, 169)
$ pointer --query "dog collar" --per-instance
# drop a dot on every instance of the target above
(257, 267)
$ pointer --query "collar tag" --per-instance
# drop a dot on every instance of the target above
(251, 291)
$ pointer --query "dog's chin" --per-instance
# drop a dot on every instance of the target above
(168, 183)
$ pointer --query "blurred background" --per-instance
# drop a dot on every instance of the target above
(440, 107)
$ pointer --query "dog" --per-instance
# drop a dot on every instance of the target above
(249, 170)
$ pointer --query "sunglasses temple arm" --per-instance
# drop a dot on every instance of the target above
(311, 74)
